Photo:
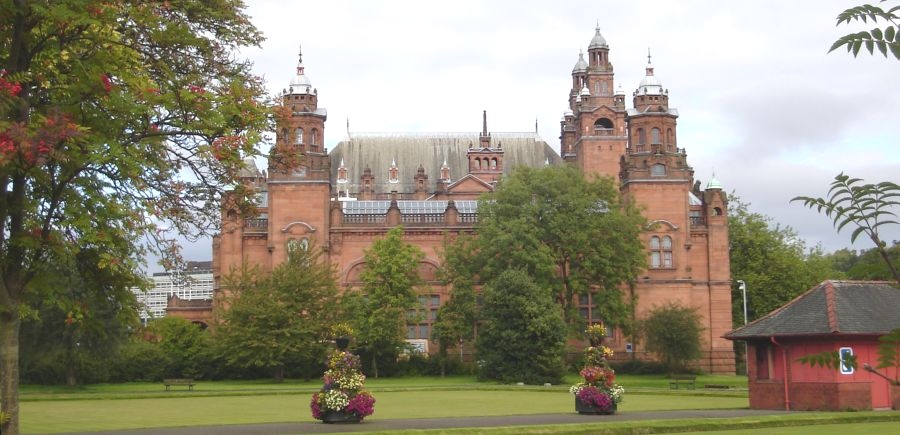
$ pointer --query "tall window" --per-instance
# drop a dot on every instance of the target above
(661, 252)
(314, 139)
(298, 135)
(762, 361)
(654, 136)
(642, 138)
(423, 319)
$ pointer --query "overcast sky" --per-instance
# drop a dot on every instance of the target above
(761, 103)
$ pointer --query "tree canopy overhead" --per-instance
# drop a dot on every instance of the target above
(570, 234)
(117, 120)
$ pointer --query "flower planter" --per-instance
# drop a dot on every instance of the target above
(340, 417)
(584, 408)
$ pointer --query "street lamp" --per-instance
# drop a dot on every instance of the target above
(743, 286)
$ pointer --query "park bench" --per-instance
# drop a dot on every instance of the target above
(716, 387)
(181, 381)
(687, 380)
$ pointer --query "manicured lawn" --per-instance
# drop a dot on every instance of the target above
(95, 415)
(822, 429)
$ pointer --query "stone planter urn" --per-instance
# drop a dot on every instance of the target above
(585, 408)
(340, 417)
(342, 342)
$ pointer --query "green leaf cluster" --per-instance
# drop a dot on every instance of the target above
(391, 284)
(672, 332)
(457, 318)
(273, 320)
(571, 235)
(864, 207)
(886, 40)
(522, 335)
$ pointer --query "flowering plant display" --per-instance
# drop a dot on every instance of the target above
(341, 330)
(342, 390)
(598, 393)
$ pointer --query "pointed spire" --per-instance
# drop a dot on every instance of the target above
(300, 83)
(535, 125)
(484, 123)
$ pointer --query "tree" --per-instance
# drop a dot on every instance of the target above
(886, 40)
(771, 259)
(864, 207)
(457, 319)
(391, 284)
(186, 346)
(274, 320)
(523, 335)
(571, 235)
(116, 118)
(85, 315)
(672, 332)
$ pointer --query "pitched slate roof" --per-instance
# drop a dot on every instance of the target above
(832, 307)
(430, 150)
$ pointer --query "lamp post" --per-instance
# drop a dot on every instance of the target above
(743, 286)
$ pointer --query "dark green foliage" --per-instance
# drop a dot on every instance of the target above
(456, 319)
(185, 345)
(829, 359)
(522, 336)
(570, 234)
(672, 332)
(889, 353)
(886, 40)
(379, 313)
(771, 259)
(140, 361)
(866, 265)
(279, 321)
(640, 367)
(864, 207)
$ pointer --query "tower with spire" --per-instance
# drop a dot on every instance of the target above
(592, 131)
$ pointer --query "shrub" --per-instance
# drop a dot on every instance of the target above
(672, 332)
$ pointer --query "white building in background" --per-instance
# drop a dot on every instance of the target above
(195, 284)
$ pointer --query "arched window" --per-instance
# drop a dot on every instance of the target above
(493, 163)
(642, 138)
(314, 139)
(654, 136)
(298, 135)
(658, 170)
(603, 123)
(661, 252)
(603, 89)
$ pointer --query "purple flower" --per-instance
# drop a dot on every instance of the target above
(594, 397)
(362, 404)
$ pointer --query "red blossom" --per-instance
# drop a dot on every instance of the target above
(10, 88)
(107, 83)
(196, 89)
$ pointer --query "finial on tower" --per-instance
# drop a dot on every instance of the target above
(299, 53)
(648, 56)
(484, 123)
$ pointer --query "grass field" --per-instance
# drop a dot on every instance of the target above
(49, 409)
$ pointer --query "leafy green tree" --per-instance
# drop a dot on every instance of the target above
(282, 318)
(390, 289)
(523, 334)
(126, 117)
(87, 313)
(864, 207)
(457, 319)
(869, 265)
(572, 235)
(771, 259)
(672, 332)
(185, 344)
(887, 39)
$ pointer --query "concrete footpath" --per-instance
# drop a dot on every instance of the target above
(372, 424)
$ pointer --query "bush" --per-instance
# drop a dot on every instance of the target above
(639, 367)
(672, 332)
(139, 361)
(523, 335)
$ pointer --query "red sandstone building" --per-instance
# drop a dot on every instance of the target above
(844, 316)
(346, 198)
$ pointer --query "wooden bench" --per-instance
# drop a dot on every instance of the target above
(687, 380)
(175, 382)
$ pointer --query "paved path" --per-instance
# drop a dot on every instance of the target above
(374, 424)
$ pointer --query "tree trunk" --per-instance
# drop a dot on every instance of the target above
(279, 374)
(9, 370)
(375, 364)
